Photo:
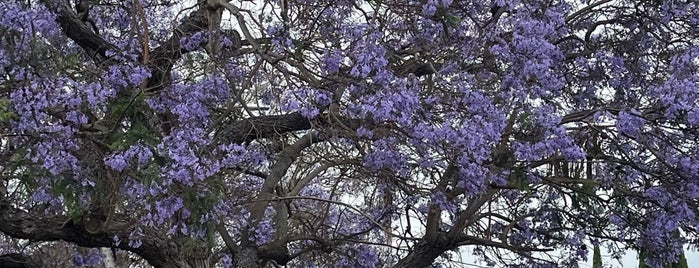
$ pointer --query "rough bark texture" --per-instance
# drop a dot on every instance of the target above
(420, 256)
(16, 260)
(80, 32)
(425, 252)
(249, 129)
(164, 57)
(37, 227)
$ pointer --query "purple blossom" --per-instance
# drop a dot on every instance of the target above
(472, 178)
(227, 261)
(306, 100)
(693, 117)
(384, 156)
(76, 117)
(332, 60)
(280, 38)
(92, 258)
(166, 208)
(440, 199)
(263, 232)
(629, 123)
(97, 93)
(41, 195)
(429, 8)
(364, 132)
(137, 75)
(139, 154)
(366, 256)
(116, 162)
(193, 41)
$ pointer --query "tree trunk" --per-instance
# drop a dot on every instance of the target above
(423, 255)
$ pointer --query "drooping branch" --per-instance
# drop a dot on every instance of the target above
(22, 224)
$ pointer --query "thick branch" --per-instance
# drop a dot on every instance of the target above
(78, 31)
(25, 225)
(285, 159)
(164, 56)
(249, 129)
(16, 260)
(425, 252)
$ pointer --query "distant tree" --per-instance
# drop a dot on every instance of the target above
(345, 133)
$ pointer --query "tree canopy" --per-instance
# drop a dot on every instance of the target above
(378, 133)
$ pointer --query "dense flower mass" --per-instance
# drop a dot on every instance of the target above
(350, 133)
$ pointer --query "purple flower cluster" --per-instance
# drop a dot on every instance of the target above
(385, 154)
(630, 123)
(366, 256)
(552, 139)
(444, 204)
(191, 102)
(17, 17)
(166, 208)
(263, 232)
(42, 195)
(332, 61)
(120, 161)
(308, 101)
(281, 39)
(430, 7)
(368, 57)
(92, 258)
(193, 41)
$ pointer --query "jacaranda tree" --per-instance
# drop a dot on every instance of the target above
(377, 133)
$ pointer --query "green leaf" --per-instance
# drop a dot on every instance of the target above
(641, 259)
(5, 113)
(519, 180)
(682, 262)
(64, 187)
(452, 20)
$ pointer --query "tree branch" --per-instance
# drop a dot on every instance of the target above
(164, 56)
(249, 129)
(78, 31)
(26, 225)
